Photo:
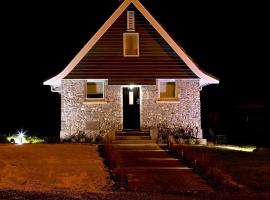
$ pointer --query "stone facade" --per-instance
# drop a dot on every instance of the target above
(186, 111)
(95, 119)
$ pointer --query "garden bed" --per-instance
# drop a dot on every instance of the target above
(228, 168)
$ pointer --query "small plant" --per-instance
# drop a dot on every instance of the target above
(19, 139)
(178, 132)
(79, 137)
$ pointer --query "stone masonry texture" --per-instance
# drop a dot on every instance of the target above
(96, 119)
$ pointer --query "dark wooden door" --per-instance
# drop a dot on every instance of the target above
(131, 108)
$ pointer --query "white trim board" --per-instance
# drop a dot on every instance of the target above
(205, 79)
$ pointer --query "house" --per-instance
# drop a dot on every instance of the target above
(130, 75)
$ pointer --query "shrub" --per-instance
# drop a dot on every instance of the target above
(14, 138)
(79, 137)
(178, 132)
(34, 139)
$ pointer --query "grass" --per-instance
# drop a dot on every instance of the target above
(229, 167)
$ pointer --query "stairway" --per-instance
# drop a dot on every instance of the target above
(151, 169)
(132, 137)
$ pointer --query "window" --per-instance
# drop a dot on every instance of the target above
(167, 90)
(131, 44)
(95, 90)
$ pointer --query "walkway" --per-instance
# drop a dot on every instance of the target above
(152, 169)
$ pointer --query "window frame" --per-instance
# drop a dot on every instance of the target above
(175, 90)
(124, 44)
(86, 90)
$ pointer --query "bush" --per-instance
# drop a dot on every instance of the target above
(178, 132)
(14, 138)
(79, 137)
(34, 139)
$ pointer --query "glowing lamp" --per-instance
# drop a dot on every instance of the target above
(21, 134)
(131, 86)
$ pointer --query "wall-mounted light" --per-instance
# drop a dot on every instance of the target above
(131, 87)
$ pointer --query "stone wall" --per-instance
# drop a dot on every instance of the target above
(96, 119)
(78, 115)
(187, 111)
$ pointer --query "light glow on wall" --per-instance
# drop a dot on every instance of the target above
(131, 87)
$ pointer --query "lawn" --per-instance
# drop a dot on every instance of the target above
(45, 167)
(249, 169)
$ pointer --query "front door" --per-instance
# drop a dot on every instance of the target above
(131, 108)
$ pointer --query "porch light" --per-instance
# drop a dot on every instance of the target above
(131, 86)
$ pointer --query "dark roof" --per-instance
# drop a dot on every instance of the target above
(105, 60)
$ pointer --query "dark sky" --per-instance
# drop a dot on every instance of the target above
(38, 39)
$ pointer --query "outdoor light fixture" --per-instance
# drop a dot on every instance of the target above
(131, 86)
(21, 134)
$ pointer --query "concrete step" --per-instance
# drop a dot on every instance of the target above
(133, 138)
(140, 147)
(144, 154)
(132, 142)
(161, 163)
(132, 133)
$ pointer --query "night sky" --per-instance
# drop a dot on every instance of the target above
(39, 39)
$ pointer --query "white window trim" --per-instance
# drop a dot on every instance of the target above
(95, 81)
(168, 100)
(124, 45)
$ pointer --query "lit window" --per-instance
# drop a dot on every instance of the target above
(167, 90)
(131, 44)
(95, 90)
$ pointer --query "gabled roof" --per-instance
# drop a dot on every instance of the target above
(157, 59)
(205, 79)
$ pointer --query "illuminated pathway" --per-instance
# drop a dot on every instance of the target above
(151, 168)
